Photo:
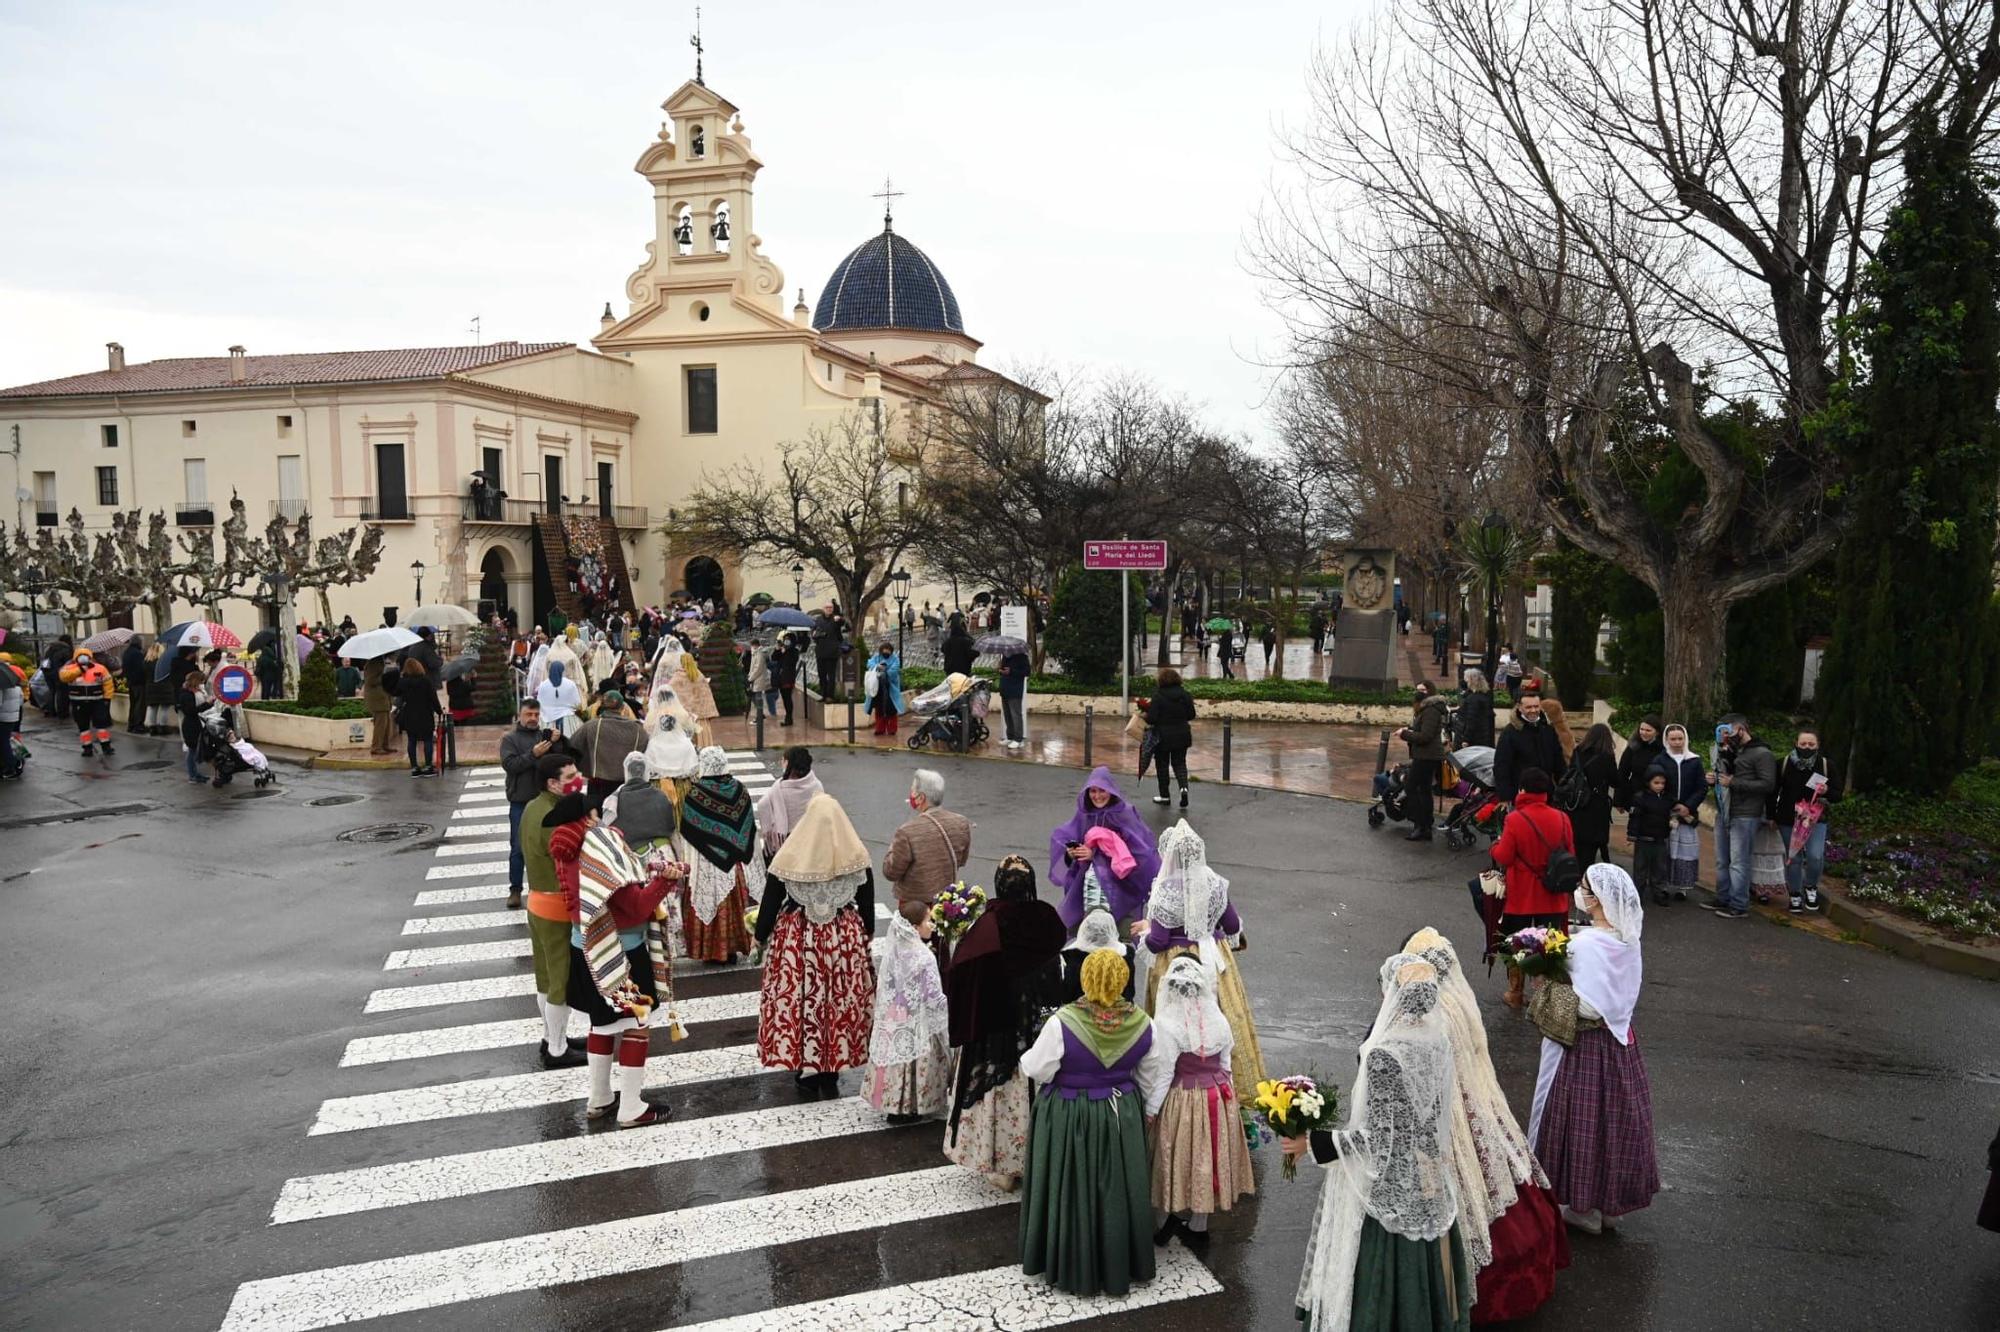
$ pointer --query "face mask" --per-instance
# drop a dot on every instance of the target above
(913, 802)
(576, 785)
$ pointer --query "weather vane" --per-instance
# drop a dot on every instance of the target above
(888, 194)
(695, 42)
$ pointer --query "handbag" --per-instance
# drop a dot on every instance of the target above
(1135, 725)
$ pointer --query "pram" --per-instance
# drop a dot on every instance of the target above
(954, 714)
(1471, 793)
(226, 751)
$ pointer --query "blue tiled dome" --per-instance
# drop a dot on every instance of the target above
(888, 283)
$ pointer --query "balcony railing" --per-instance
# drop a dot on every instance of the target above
(628, 515)
(500, 509)
(291, 510)
(46, 518)
(394, 509)
(194, 513)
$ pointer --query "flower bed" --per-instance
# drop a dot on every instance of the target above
(1931, 860)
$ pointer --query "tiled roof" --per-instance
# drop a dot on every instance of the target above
(888, 283)
(181, 374)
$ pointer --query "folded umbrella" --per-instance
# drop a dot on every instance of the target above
(378, 643)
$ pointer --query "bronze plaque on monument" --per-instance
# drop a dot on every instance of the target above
(1364, 636)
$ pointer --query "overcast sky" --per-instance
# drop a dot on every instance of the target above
(181, 177)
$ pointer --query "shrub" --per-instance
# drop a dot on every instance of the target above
(1084, 621)
(723, 667)
(316, 683)
(346, 709)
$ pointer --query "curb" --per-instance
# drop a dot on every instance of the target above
(1907, 938)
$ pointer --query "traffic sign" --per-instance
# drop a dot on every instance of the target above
(232, 684)
(1124, 554)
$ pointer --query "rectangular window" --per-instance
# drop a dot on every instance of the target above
(45, 499)
(701, 400)
(194, 479)
(291, 487)
(187, 430)
(604, 490)
(107, 485)
(392, 498)
(110, 435)
(902, 495)
(284, 427)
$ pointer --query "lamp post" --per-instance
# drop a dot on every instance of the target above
(899, 583)
(33, 578)
(288, 632)
(417, 568)
(1495, 523)
(799, 586)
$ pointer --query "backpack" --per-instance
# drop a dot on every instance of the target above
(1564, 871)
(1572, 793)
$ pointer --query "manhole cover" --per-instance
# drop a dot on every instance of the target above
(323, 801)
(257, 794)
(148, 766)
(383, 832)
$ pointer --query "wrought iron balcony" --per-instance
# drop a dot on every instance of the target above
(194, 513)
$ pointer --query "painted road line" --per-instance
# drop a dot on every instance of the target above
(476, 830)
(485, 770)
(431, 1179)
(485, 783)
(483, 797)
(398, 998)
(478, 892)
(522, 1031)
(477, 812)
(472, 848)
(465, 920)
(466, 871)
(333, 1295)
(520, 1091)
(447, 955)
(999, 1299)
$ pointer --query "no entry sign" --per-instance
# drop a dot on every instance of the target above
(1124, 554)
(232, 684)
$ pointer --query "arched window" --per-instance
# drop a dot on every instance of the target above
(718, 230)
(684, 231)
(697, 143)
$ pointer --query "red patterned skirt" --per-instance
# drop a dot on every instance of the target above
(1530, 1245)
(726, 935)
(818, 1006)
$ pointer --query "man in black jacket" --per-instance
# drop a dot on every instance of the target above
(1425, 737)
(138, 677)
(1528, 742)
(1751, 780)
(959, 651)
(521, 750)
(829, 632)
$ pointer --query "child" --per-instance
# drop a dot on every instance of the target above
(909, 1063)
(1647, 830)
(1201, 1161)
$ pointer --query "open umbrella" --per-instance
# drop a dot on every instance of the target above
(1000, 645)
(377, 643)
(262, 639)
(1221, 622)
(441, 616)
(111, 640)
(194, 634)
(760, 599)
(305, 645)
(784, 617)
(467, 658)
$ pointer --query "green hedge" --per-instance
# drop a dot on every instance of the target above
(916, 679)
(347, 709)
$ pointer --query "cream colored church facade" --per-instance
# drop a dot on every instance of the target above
(709, 366)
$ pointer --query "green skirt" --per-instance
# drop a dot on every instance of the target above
(1406, 1285)
(1086, 1218)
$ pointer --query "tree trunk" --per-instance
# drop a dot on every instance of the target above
(1696, 628)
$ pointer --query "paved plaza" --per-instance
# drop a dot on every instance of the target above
(282, 1079)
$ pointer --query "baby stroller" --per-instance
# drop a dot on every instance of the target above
(954, 714)
(1389, 795)
(1472, 793)
(226, 751)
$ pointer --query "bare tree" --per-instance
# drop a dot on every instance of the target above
(218, 563)
(1272, 512)
(288, 551)
(844, 499)
(1597, 199)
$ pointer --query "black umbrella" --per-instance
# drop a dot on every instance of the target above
(262, 639)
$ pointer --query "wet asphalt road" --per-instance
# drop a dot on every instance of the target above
(182, 981)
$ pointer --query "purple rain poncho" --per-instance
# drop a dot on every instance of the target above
(1126, 896)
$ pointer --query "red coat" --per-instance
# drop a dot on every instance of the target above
(1525, 856)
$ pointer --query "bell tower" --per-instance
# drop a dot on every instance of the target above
(705, 253)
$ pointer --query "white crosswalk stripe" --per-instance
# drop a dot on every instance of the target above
(520, 1091)
(485, 770)
(403, 1284)
(523, 1031)
(526, 1130)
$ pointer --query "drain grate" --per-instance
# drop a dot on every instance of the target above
(321, 802)
(149, 765)
(383, 832)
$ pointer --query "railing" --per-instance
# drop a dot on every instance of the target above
(291, 510)
(46, 518)
(500, 509)
(194, 513)
(628, 515)
(392, 510)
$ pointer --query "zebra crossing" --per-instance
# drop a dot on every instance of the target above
(449, 1174)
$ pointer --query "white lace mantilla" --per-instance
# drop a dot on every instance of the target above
(823, 901)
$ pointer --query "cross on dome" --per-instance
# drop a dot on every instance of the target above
(888, 194)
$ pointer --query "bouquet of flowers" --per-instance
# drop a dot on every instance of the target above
(750, 921)
(954, 909)
(1538, 952)
(1293, 1107)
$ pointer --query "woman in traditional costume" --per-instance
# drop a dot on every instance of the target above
(1510, 1223)
(725, 860)
(1005, 978)
(1188, 913)
(1201, 1160)
(1104, 855)
(785, 803)
(1384, 1254)
(1097, 931)
(909, 1061)
(1085, 1222)
(1592, 1123)
(817, 1010)
(677, 666)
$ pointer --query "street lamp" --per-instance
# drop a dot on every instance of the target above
(899, 584)
(799, 586)
(1495, 523)
(417, 568)
(33, 577)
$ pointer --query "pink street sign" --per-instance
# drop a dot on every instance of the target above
(1124, 554)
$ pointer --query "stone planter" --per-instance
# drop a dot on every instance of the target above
(317, 735)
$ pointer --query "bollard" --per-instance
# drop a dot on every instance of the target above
(1382, 754)
(850, 719)
(760, 726)
(1087, 718)
(1226, 741)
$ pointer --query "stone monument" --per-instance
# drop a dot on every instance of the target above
(1364, 635)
